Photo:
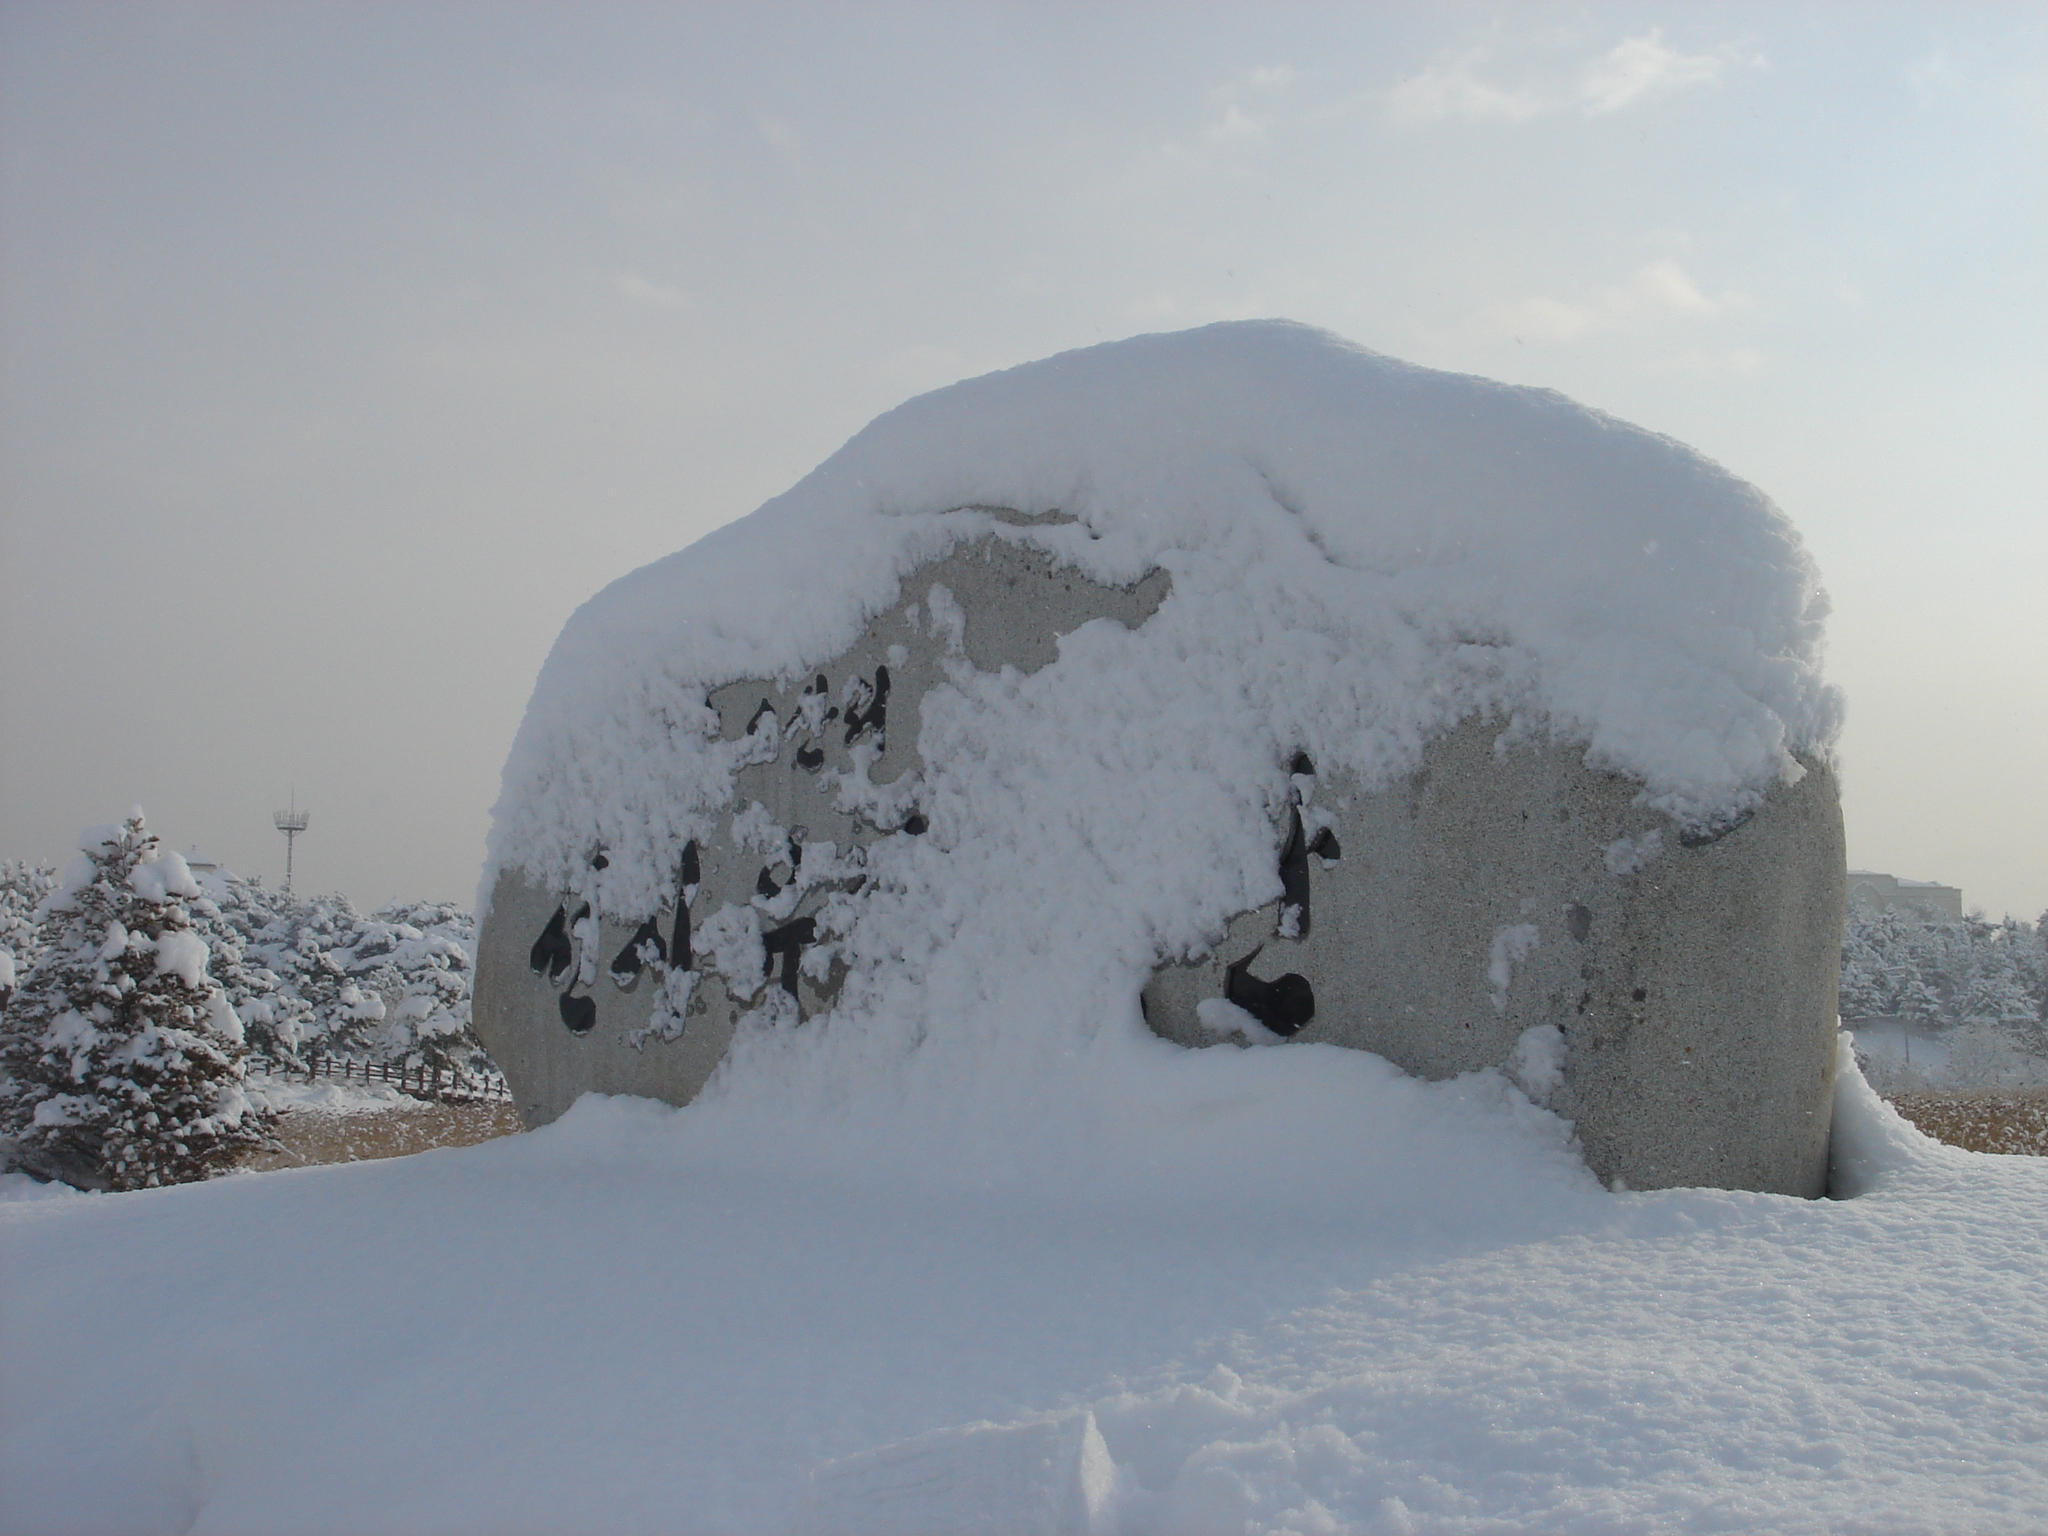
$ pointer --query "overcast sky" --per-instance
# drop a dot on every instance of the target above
(348, 347)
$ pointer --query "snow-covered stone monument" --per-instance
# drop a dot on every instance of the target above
(1237, 683)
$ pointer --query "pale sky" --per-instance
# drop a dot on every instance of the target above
(348, 347)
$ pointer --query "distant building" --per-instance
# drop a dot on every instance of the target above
(1928, 900)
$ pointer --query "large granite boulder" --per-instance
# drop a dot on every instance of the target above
(1671, 993)
(1237, 689)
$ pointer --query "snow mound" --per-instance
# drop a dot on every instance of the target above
(1872, 1147)
(1050, 1476)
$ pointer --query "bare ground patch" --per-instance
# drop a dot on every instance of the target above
(311, 1135)
(1981, 1122)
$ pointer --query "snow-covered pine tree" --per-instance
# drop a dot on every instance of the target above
(1872, 963)
(125, 1058)
(2037, 968)
(23, 889)
(418, 958)
(306, 946)
(241, 925)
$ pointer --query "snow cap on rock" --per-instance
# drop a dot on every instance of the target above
(1424, 545)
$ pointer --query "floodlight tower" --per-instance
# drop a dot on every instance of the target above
(291, 823)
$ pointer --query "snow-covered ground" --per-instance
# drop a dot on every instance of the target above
(342, 1096)
(1980, 1057)
(978, 1252)
(1290, 1290)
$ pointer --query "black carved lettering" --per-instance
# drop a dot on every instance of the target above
(788, 941)
(645, 946)
(810, 759)
(1294, 900)
(680, 957)
(551, 953)
(867, 713)
(688, 878)
(1283, 1005)
(860, 693)
(579, 1014)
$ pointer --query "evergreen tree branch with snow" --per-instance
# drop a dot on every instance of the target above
(417, 959)
(125, 1062)
(242, 927)
(23, 889)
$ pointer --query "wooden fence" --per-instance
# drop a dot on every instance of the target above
(423, 1082)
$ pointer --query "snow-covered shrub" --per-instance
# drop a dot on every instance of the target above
(235, 915)
(314, 976)
(417, 961)
(23, 888)
(126, 1062)
(298, 944)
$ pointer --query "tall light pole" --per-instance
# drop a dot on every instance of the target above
(291, 823)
